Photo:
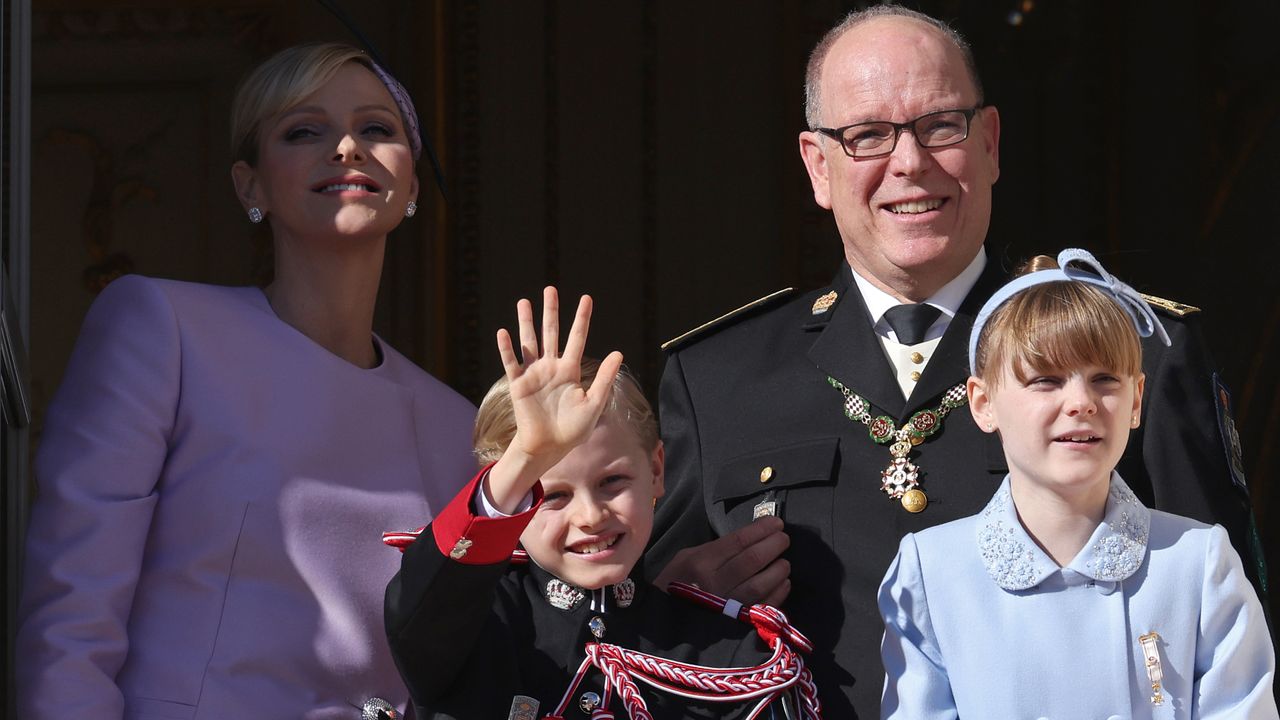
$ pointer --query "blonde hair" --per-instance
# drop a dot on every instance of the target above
(280, 84)
(496, 421)
(1057, 325)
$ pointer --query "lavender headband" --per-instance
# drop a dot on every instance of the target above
(407, 113)
(1144, 318)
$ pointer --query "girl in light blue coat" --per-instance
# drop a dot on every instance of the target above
(1066, 597)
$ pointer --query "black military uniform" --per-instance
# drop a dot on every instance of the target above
(749, 417)
(476, 636)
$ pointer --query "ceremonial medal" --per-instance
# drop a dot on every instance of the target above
(900, 480)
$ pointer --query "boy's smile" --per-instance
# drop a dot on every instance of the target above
(597, 509)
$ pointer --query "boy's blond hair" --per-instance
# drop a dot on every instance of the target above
(496, 421)
(1054, 326)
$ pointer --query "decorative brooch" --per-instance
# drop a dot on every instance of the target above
(1151, 652)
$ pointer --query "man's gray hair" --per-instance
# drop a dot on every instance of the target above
(813, 75)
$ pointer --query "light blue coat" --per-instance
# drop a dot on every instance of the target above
(981, 623)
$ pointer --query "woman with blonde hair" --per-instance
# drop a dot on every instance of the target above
(219, 461)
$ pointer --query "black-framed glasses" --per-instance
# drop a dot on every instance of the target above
(875, 139)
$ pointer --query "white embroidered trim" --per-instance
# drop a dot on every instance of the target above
(1015, 564)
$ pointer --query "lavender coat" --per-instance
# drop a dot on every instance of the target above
(212, 489)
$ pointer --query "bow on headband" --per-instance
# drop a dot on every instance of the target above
(1144, 318)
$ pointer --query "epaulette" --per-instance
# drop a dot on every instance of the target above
(753, 306)
(1170, 306)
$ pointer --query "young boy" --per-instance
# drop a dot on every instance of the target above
(574, 468)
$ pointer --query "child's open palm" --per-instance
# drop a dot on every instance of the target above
(553, 413)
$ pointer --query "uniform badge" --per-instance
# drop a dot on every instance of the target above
(523, 707)
(1230, 436)
(824, 303)
(460, 548)
(765, 508)
(770, 505)
(624, 593)
(562, 595)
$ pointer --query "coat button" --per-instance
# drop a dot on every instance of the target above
(460, 548)
(915, 376)
(588, 702)
(376, 708)
(766, 474)
(596, 626)
(917, 358)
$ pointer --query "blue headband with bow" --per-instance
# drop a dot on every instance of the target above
(1130, 300)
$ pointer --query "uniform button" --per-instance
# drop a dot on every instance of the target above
(766, 474)
(915, 376)
(917, 358)
(588, 702)
(596, 626)
(376, 708)
(460, 548)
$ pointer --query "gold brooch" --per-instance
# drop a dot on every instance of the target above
(1151, 653)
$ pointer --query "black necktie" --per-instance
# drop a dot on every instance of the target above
(910, 322)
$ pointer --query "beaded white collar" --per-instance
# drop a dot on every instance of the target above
(1115, 551)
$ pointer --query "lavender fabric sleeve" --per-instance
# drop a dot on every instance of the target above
(101, 455)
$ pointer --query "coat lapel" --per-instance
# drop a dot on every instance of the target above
(849, 351)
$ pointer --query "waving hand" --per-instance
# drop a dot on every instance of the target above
(553, 413)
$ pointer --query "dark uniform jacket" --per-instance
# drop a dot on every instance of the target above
(752, 393)
(472, 631)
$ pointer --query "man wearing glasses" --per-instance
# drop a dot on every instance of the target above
(809, 433)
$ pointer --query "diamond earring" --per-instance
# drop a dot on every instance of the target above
(255, 215)
(411, 209)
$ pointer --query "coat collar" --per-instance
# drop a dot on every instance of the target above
(1115, 551)
(563, 596)
(849, 350)
(950, 362)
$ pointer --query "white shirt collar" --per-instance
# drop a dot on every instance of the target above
(947, 299)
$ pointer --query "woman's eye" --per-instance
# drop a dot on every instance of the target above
(300, 133)
(379, 129)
